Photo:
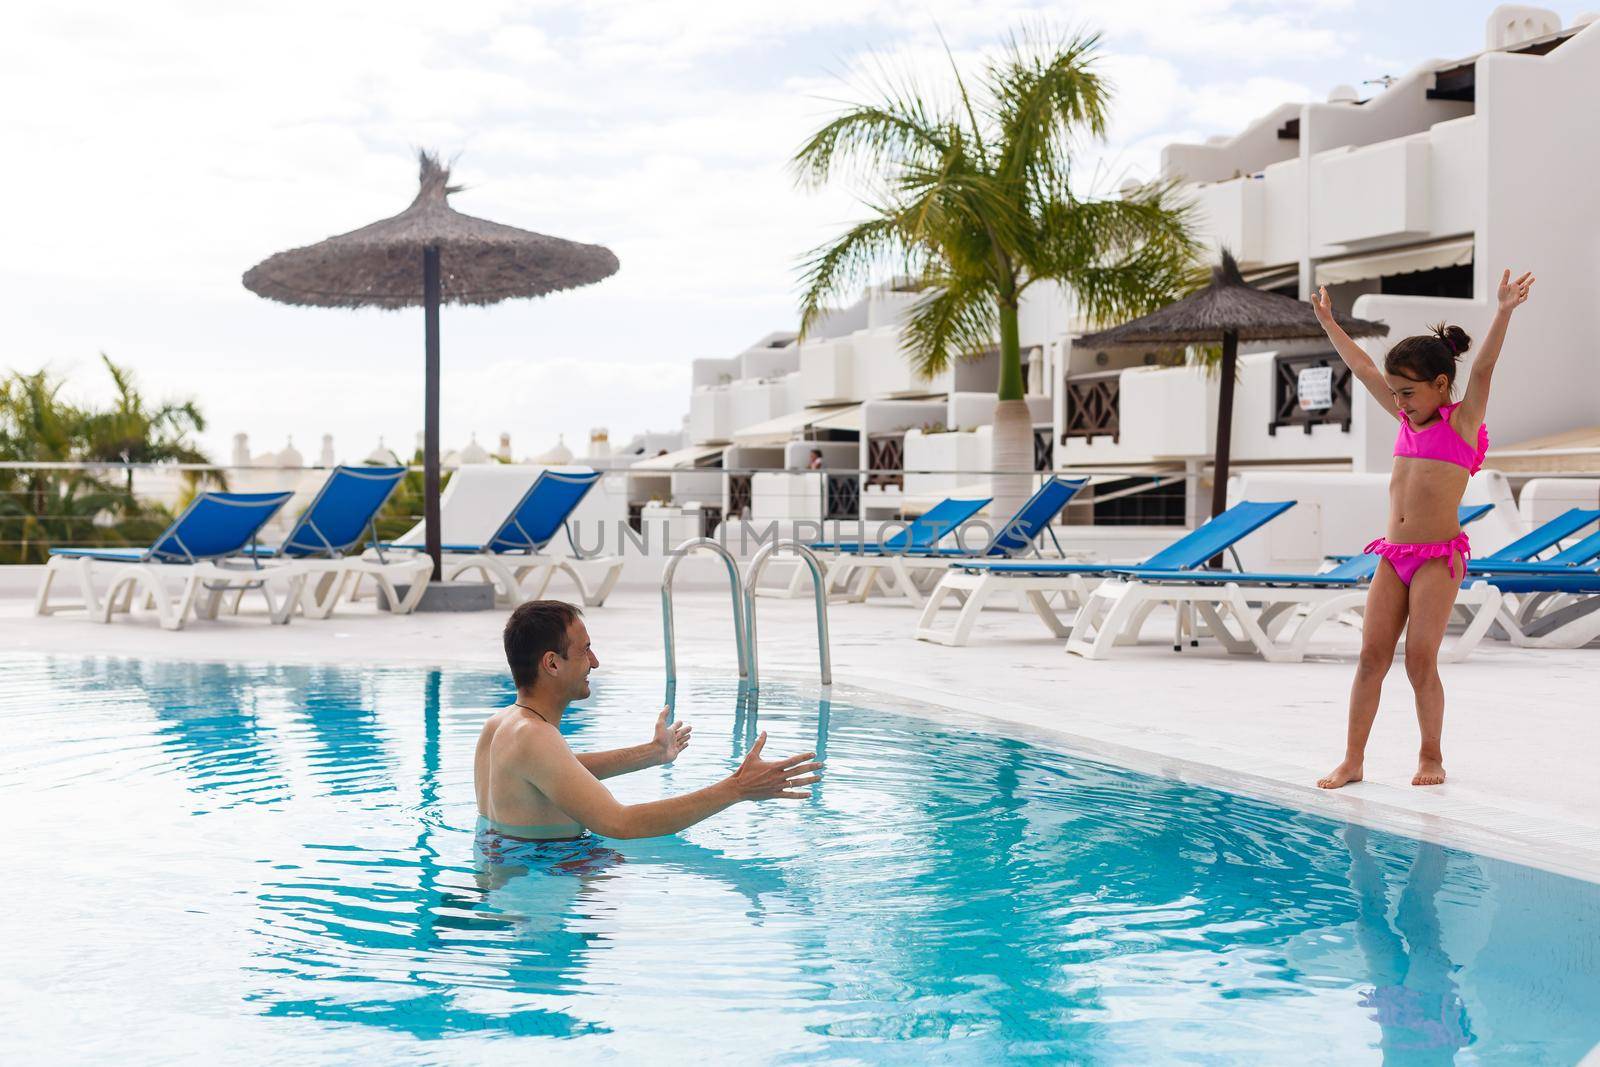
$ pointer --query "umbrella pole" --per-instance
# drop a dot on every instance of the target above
(430, 409)
(1230, 367)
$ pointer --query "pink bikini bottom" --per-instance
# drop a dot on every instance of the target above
(1408, 559)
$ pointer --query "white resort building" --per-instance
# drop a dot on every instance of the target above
(1406, 205)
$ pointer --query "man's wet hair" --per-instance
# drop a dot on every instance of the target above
(537, 627)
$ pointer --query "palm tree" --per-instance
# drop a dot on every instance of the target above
(132, 431)
(975, 204)
(40, 506)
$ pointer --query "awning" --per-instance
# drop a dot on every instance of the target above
(1456, 252)
(1271, 277)
(682, 459)
(846, 419)
(783, 428)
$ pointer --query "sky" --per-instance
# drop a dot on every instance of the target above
(158, 150)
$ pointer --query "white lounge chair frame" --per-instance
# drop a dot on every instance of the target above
(1549, 619)
(974, 590)
(472, 509)
(1261, 616)
(519, 578)
(146, 586)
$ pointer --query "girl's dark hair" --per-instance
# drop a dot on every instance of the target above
(1424, 357)
(537, 627)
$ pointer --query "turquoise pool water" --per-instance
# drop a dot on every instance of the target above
(275, 864)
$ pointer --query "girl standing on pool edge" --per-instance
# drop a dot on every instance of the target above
(1424, 551)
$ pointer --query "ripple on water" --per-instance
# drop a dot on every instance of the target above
(296, 844)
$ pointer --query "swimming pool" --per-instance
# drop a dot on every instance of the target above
(275, 864)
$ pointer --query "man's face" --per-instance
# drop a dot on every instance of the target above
(572, 670)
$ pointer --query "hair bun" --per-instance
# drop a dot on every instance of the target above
(1455, 337)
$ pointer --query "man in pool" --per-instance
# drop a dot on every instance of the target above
(532, 787)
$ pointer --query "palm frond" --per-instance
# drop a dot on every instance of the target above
(872, 137)
(966, 104)
(1121, 257)
(953, 318)
(1046, 93)
(849, 262)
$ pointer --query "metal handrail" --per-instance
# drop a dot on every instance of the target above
(735, 587)
(819, 587)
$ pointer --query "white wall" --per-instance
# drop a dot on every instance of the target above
(1543, 156)
(786, 496)
(883, 369)
(967, 411)
(1252, 149)
(1229, 215)
(952, 451)
(895, 416)
(1375, 192)
(710, 415)
(1399, 111)
(769, 362)
(756, 401)
(828, 372)
(1283, 213)
(710, 372)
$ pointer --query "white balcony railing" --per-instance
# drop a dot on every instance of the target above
(828, 372)
(1377, 192)
(710, 416)
(1230, 215)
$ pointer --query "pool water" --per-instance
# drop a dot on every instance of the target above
(276, 864)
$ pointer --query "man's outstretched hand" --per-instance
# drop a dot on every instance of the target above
(784, 779)
(671, 738)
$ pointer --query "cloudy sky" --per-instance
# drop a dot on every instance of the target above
(157, 150)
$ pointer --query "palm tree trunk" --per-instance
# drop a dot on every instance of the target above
(1012, 444)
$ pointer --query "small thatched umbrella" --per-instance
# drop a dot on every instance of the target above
(1227, 311)
(429, 254)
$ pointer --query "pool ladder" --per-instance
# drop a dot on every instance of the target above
(743, 592)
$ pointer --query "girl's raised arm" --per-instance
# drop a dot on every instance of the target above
(1354, 356)
(1475, 404)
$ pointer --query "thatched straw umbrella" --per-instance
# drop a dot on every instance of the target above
(429, 254)
(1226, 311)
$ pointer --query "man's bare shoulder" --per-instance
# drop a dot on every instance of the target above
(513, 736)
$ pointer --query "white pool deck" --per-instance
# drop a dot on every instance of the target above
(1522, 730)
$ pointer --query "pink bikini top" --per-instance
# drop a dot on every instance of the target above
(1440, 441)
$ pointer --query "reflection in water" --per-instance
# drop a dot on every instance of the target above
(1414, 997)
(943, 886)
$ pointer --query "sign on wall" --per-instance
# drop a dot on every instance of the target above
(1315, 388)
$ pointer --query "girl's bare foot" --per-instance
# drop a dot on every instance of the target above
(1429, 772)
(1347, 772)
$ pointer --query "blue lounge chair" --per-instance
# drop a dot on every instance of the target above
(977, 580)
(326, 541)
(920, 535)
(341, 517)
(1516, 558)
(1347, 570)
(1544, 536)
(512, 556)
(913, 567)
(1260, 604)
(202, 546)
